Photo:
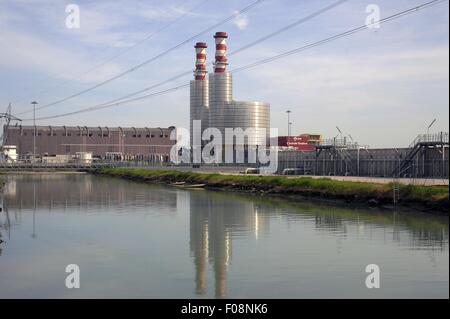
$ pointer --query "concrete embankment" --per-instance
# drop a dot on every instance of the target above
(424, 198)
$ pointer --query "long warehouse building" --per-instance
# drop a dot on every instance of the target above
(151, 144)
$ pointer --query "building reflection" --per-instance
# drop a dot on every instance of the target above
(83, 192)
(63, 193)
(5, 222)
(215, 221)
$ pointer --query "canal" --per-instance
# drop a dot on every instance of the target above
(133, 240)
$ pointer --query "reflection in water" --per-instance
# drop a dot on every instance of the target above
(84, 192)
(216, 220)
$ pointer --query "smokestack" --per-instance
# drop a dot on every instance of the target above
(199, 99)
(200, 63)
(221, 52)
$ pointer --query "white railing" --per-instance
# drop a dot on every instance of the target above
(342, 143)
(441, 137)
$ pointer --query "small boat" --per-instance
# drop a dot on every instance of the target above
(178, 183)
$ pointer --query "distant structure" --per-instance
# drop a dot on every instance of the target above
(303, 142)
(8, 153)
(212, 100)
(150, 144)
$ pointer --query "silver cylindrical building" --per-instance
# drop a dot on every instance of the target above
(249, 115)
(224, 112)
(213, 102)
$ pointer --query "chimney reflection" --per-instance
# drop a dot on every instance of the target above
(214, 221)
(199, 246)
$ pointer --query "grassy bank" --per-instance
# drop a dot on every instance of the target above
(422, 197)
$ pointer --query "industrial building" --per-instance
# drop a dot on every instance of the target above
(211, 100)
(426, 157)
(303, 142)
(58, 142)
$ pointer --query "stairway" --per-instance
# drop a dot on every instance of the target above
(420, 142)
(347, 158)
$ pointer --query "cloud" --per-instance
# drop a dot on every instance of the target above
(158, 13)
(34, 54)
(340, 72)
(241, 21)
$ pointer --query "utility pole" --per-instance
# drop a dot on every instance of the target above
(289, 123)
(34, 130)
(4, 137)
(8, 118)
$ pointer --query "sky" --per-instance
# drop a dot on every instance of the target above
(383, 86)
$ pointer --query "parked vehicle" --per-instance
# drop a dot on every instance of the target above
(296, 171)
(252, 170)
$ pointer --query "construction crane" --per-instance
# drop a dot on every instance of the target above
(4, 134)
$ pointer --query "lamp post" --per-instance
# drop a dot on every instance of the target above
(339, 130)
(429, 126)
(34, 130)
(289, 123)
(33, 235)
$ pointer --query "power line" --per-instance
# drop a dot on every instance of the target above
(340, 35)
(264, 61)
(99, 107)
(146, 38)
(289, 26)
(134, 68)
(264, 38)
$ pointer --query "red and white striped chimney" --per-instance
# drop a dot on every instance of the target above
(221, 52)
(200, 63)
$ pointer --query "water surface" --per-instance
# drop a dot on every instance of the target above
(132, 240)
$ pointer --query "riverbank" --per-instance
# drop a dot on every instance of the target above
(425, 198)
(40, 172)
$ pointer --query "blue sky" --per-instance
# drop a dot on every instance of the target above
(382, 86)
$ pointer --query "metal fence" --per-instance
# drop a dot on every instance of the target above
(306, 163)
(433, 168)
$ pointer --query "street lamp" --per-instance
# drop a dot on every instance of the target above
(34, 130)
(289, 122)
(429, 126)
(339, 130)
